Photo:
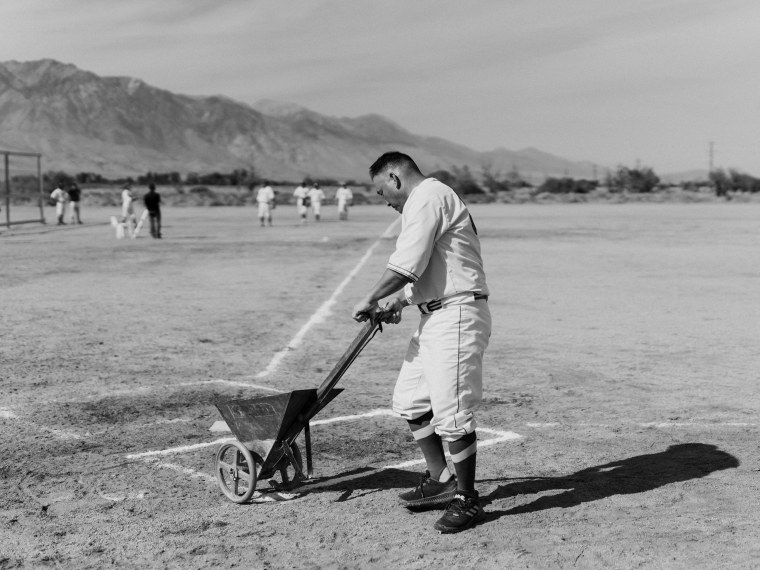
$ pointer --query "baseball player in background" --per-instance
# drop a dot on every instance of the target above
(437, 266)
(345, 198)
(128, 209)
(316, 195)
(265, 199)
(75, 195)
(61, 198)
(300, 193)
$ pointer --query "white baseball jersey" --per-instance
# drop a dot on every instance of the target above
(316, 195)
(265, 195)
(59, 195)
(127, 203)
(343, 195)
(300, 193)
(438, 248)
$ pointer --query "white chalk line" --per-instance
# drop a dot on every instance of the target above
(658, 425)
(323, 311)
(232, 383)
(7, 414)
(501, 437)
(370, 414)
(197, 446)
(152, 456)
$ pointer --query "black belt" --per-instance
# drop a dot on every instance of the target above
(436, 304)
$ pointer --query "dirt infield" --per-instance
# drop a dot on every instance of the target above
(620, 421)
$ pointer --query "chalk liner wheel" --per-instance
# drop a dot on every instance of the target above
(236, 471)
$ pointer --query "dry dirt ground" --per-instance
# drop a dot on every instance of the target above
(620, 421)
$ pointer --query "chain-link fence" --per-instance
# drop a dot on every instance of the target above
(21, 185)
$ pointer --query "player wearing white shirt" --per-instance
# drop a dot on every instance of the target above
(61, 197)
(300, 193)
(265, 199)
(316, 195)
(128, 217)
(437, 265)
(344, 197)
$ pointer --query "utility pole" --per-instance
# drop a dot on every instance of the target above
(711, 153)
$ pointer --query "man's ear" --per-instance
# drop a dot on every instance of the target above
(396, 181)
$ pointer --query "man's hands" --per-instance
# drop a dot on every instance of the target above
(364, 309)
(389, 313)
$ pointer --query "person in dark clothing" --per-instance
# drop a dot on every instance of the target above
(75, 195)
(152, 202)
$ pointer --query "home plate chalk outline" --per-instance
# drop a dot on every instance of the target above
(154, 458)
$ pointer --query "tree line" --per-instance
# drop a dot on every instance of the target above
(461, 178)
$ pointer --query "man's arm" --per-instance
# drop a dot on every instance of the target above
(390, 282)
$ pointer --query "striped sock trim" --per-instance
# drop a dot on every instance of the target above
(423, 432)
(471, 449)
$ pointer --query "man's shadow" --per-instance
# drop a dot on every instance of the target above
(633, 475)
(626, 476)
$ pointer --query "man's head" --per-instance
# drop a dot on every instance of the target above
(395, 175)
(152, 187)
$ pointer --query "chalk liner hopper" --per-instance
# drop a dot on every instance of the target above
(266, 429)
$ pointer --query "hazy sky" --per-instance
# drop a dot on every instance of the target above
(648, 82)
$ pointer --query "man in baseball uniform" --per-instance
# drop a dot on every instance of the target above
(128, 209)
(316, 195)
(300, 193)
(75, 195)
(437, 266)
(344, 197)
(265, 199)
(61, 198)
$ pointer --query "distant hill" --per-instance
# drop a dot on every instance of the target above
(121, 126)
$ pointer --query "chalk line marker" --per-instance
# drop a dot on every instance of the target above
(323, 311)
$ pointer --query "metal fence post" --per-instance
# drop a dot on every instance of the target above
(7, 192)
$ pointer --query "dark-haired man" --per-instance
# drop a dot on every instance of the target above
(152, 201)
(437, 265)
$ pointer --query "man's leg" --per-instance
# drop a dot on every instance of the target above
(463, 454)
(431, 446)
(463, 331)
(411, 400)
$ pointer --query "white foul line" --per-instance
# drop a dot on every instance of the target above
(196, 446)
(501, 437)
(370, 414)
(230, 383)
(323, 311)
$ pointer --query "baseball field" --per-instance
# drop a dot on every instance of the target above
(619, 427)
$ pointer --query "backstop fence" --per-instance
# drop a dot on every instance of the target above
(21, 184)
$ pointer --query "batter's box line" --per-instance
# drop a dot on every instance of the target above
(500, 437)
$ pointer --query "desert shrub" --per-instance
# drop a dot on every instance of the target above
(460, 179)
(567, 186)
(638, 180)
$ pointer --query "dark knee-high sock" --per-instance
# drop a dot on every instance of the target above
(463, 454)
(431, 446)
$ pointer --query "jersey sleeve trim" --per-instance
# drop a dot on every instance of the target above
(403, 272)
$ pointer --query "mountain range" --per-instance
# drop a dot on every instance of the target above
(121, 126)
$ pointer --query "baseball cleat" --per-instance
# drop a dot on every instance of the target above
(429, 493)
(463, 512)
